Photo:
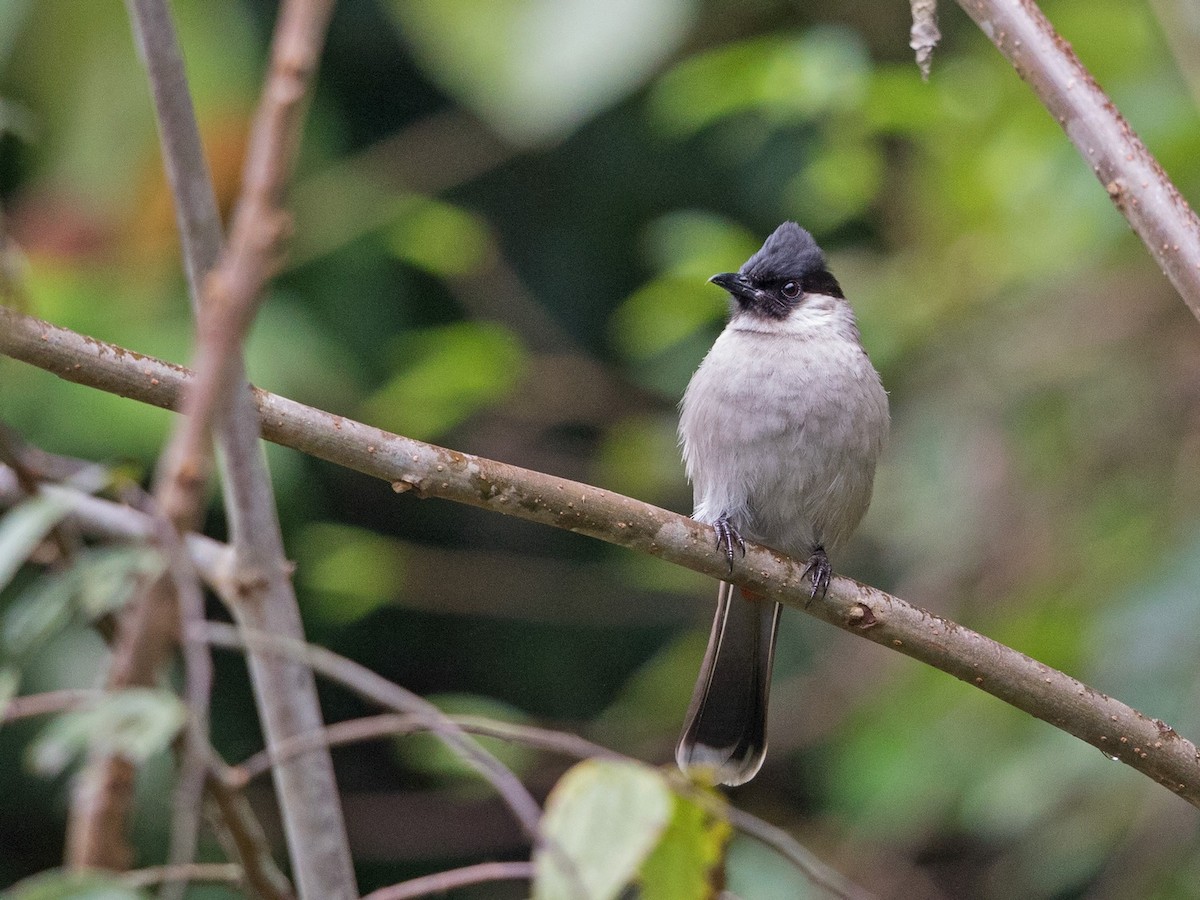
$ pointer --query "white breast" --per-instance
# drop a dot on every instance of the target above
(782, 425)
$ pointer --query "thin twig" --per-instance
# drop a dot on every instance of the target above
(368, 728)
(107, 519)
(377, 689)
(193, 761)
(1135, 181)
(102, 796)
(99, 518)
(210, 872)
(816, 871)
(1145, 744)
(49, 702)
(241, 834)
(441, 882)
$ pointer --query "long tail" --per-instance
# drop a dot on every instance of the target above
(725, 737)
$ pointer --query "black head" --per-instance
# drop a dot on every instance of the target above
(776, 279)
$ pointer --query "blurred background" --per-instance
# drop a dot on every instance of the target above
(506, 211)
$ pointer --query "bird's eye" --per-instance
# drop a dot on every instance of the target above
(791, 290)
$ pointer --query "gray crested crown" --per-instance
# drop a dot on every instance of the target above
(790, 252)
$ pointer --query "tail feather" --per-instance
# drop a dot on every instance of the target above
(725, 736)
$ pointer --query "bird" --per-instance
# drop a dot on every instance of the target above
(781, 428)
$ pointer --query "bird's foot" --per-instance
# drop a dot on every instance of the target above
(728, 537)
(819, 570)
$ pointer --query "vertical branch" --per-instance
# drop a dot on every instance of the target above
(1132, 176)
(231, 284)
(102, 796)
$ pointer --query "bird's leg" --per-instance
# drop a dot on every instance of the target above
(727, 537)
(819, 570)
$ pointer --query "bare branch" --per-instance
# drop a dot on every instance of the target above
(48, 702)
(242, 836)
(210, 872)
(285, 692)
(96, 517)
(1132, 176)
(102, 796)
(378, 689)
(368, 728)
(441, 882)
(196, 210)
(1146, 744)
(193, 746)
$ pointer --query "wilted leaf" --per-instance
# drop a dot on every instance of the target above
(605, 817)
(135, 723)
(924, 35)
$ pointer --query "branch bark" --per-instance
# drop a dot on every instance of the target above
(1148, 745)
(1135, 181)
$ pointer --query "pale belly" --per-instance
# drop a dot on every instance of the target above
(781, 435)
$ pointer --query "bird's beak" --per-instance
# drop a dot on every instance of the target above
(738, 285)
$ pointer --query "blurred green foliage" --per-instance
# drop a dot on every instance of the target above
(505, 217)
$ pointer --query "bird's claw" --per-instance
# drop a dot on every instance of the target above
(727, 537)
(819, 570)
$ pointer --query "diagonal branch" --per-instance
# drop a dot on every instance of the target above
(377, 689)
(1145, 744)
(1132, 176)
(441, 882)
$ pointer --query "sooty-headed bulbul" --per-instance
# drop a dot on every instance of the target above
(781, 427)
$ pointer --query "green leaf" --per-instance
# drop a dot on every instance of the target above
(685, 864)
(605, 817)
(447, 374)
(535, 69)
(348, 572)
(23, 527)
(664, 312)
(107, 578)
(785, 78)
(134, 723)
(57, 884)
(696, 244)
(98, 582)
(38, 614)
(440, 238)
